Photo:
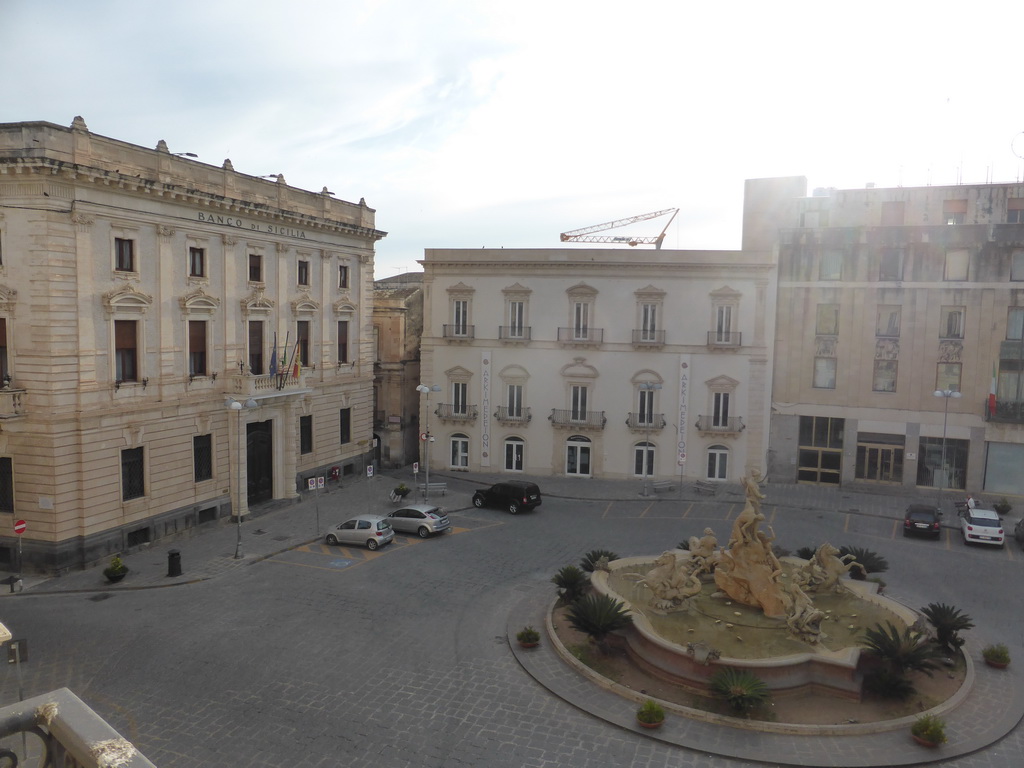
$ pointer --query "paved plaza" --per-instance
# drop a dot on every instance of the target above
(301, 654)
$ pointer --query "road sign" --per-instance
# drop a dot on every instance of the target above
(311, 483)
(19, 527)
(320, 482)
(415, 467)
(369, 471)
(423, 436)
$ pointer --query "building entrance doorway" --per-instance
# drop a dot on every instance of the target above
(259, 461)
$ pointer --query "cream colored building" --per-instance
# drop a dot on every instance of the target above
(616, 363)
(887, 297)
(141, 294)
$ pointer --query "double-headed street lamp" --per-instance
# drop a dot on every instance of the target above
(235, 405)
(423, 389)
(648, 418)
(946, 394)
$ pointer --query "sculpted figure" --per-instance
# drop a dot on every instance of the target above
(704, 551)
(670, 581)
(802, 618)
(824, 571)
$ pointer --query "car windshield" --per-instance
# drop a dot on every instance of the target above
(986, 522)
(383, 525)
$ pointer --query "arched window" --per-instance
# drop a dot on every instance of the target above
(459, 451)
(577, 455)
(718, 462)
(643, 459)
(515, 450)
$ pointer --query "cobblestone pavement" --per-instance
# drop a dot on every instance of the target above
(303, 655)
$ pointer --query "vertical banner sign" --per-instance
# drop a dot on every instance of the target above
(684, 393)
(485, 409)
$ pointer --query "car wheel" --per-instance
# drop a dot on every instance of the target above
(423, 532)
(478, 501)
(513, 508)
(371, 544)
(332, 539)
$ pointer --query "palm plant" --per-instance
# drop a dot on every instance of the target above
(904, 651)
(741, 688)
(870, 561)
(948, 623)
(598, 616)
(590, 560)
(572, 583)
(806, 553)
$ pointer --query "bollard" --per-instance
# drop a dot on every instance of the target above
(174, 563)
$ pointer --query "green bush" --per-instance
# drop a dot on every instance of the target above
(948, 622)
(902, 652)
(741, 689)
(888, 685)
(998, 654)
(930, 728)
(528, 635)
(572, 583)
(650, 712)
(598, 616)
(589, 561)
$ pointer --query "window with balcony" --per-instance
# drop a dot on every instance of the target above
(197, 347)
(578, 397)
(885, 376)
(124, 254)
(197, 262)
(724, 333)
(256, 347)
(343, 336)
(956, 265)
(126, 355)
(720, 410)
(887, 321)
(5, 369)
(827, 320)
(514, 397)
(516, 319)
(645, 407)
(460, 319)
(649, 322)
(581, 320)
(460, 392)
(824, 373)
(133, 484)
(1015, 324)
(951, 322)
(305, 434)
(202, 457)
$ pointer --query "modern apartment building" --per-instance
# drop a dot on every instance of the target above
(619, 363)
(899, 342)
(179, 341)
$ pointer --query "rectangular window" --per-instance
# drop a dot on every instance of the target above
(197, 262)
(1015, 210)
(343, 276)
(948, 376)
(821, 432)
(831, 266)
(515, 400)
(202, 457)
(648, 322)
(124, 255)
(132, 481)
(954, 211)
(6, 484)
(887, 322)
(5, 370)
(893, 213)
(197, 347)
(579, 402)
(951, 323)
(255, 268)
(302, 334)
(126, 350)
(459, 392)
(343, 341)
(723, 324)
(827, 320)
(890, 266)
(303, 273)
(956, 265)
(1017, 262)
(885, 376)
(346, 425)
(256, 347)
(1015, 324)
(720, 414)
(580, 320)
(305, 434)
(645, 403)
(825, 373)
(516, 315)
(460, 317)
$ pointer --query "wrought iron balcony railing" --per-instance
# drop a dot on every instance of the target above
(648, 338)
(724, 338)
(459, 331)
(733, 424)
(566, 417)
(643, 421)
(1007, 411)
(514, 333)
(581, 335)
(455, 412)
(508, 415)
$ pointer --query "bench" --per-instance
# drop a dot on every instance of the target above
(441, 488)
(706, 487)
(663, 485)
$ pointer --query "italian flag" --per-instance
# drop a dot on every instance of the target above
(992, 393)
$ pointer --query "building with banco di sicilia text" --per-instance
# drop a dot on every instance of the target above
(179, 341)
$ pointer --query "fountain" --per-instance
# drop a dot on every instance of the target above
(794, 623)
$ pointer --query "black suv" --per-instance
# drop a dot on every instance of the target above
(922, 520)
(512, 495)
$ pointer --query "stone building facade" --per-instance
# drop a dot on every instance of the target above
(899, 312)
(618, 363)
(141, 296)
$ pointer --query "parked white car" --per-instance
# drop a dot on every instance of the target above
(981, 526)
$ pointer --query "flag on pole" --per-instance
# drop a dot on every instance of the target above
(296, 363)
(992, 393)
(273, 357)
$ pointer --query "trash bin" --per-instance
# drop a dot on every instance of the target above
(174, 563)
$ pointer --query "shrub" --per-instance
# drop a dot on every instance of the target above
(887, 685)
(589, 561)
(901, 652)
(930, 728)
(528, 635)
(650, 712)
(572, 583)
(806, 553)
(998, 653)
(948, 623)
(872, 562)
(1002, 506)
(741, 689)
(598, 616)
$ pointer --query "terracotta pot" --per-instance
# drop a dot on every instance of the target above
(997, 664)
(923, 742)
(527, 645)
(113, 577)
(650, 725)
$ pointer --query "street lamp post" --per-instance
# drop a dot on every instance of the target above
(945, 394)
(648, 417)
(423, 389)
(236, 406)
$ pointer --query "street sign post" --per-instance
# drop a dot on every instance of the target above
(19, 528)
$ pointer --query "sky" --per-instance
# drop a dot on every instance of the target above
(472, 123)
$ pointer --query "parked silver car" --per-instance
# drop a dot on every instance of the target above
(421, 519)
(372, 530)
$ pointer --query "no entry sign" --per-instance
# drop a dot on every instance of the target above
(19, 527)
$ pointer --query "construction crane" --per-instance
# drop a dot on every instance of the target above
(583, 235)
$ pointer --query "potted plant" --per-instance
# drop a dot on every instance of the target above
(1002, 507)
(528, 637)
(650, 714)
(997, 655)
(116, 570)
(929, 731)
(402, 490)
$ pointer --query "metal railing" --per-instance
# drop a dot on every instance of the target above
(731, 424)
(517, 416)
(566, 417)
(456, 413)
(725, 338)
(581, 335)
(1007, 411)
(514, 333)
(458, 331)
(653, 421)
(642, 337)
